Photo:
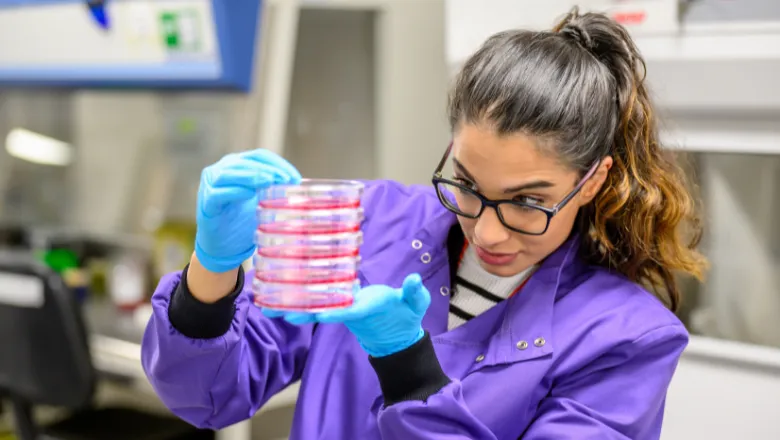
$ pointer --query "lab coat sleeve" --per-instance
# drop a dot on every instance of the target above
(420, 401)
(620, 395)
(214, 365)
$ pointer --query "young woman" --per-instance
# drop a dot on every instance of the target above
(505, 302)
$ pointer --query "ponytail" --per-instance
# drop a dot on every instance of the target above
(644, 221)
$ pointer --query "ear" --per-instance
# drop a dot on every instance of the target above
(594, 184)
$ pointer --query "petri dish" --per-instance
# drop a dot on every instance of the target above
(311, 271)
(313, 194)
(313, 297)
(308, 246)
(309, 222)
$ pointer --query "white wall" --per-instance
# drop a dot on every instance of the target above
(724, 391)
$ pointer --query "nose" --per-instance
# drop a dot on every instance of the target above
(489, 230)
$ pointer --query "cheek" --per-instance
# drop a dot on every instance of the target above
(467, 225)
(540, 246)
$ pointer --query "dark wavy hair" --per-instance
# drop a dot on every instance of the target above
(580, 89)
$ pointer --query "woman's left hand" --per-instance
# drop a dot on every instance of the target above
(385, 320)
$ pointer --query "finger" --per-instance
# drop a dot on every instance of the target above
(367, 301)
(250, 174)
(215, 199)
(300, 318)
(338, 316)
(415, 294)
(270, 313)
(268, 157)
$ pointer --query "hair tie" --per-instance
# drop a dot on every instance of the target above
(578, 35)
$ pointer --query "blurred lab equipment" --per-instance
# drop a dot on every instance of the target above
(172, 86)
(206, 44)
(308, 241)
(45, 360)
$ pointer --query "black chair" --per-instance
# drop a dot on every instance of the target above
(45, 360)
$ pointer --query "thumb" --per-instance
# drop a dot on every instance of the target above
(415, 294)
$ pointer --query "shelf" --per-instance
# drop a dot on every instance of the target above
(747, 134)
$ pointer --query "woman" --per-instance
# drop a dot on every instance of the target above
(503, 303)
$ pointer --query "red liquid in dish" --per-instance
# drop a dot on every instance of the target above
(303, 301)
(308, 252)
(304, 277)
(311, 204)
(303, 227)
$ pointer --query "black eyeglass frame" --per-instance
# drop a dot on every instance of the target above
(437, 179)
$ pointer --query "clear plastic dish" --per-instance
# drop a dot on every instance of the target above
(306, 271)
(308, 222)
(310, 298)
(312, 246)
(313, 194)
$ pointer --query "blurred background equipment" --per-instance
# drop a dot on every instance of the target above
(45, 360)
(109, 111)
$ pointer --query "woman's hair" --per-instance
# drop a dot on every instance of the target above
(580, 89)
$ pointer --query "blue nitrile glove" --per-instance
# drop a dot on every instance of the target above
(385, 320)
(227, 205)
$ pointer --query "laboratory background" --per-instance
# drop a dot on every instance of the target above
(109, 111)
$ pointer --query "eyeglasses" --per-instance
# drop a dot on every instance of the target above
(522, 217)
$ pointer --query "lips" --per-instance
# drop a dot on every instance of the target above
(494, 259)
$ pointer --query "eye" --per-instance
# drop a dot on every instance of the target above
(530, 200)
(467, 183)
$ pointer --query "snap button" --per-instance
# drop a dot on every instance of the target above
(444, 290)
(480, 358)
(522, 345)
(416, 244)
(539, 342)
(425, 258)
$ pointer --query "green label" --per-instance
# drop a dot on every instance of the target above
(181, 30)
(170, 29)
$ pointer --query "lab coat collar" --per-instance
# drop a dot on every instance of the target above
(526, 319)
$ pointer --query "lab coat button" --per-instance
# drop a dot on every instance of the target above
(416, 244)
(425, 258)
(539, 342)
(522, 345)
(444, 290)
(480, 358)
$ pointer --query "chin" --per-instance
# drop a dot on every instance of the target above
(502, 271)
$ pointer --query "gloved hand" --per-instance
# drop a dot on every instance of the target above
(385, 320)
(227, 205)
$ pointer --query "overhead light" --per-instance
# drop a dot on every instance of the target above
(37, 148)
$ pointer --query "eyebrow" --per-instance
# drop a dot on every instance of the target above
(534, 184)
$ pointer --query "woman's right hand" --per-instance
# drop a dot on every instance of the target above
(227, 204)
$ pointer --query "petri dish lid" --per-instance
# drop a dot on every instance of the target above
(313, 194)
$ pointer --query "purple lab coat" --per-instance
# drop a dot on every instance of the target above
(580, 353)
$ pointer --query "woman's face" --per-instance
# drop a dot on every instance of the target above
(514, 167)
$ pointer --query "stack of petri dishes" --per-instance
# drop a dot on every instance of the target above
(308, 245)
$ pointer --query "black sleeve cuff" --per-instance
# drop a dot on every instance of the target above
(411, 374)
(198, 320)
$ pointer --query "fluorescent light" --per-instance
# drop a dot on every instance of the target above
(37, 148)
